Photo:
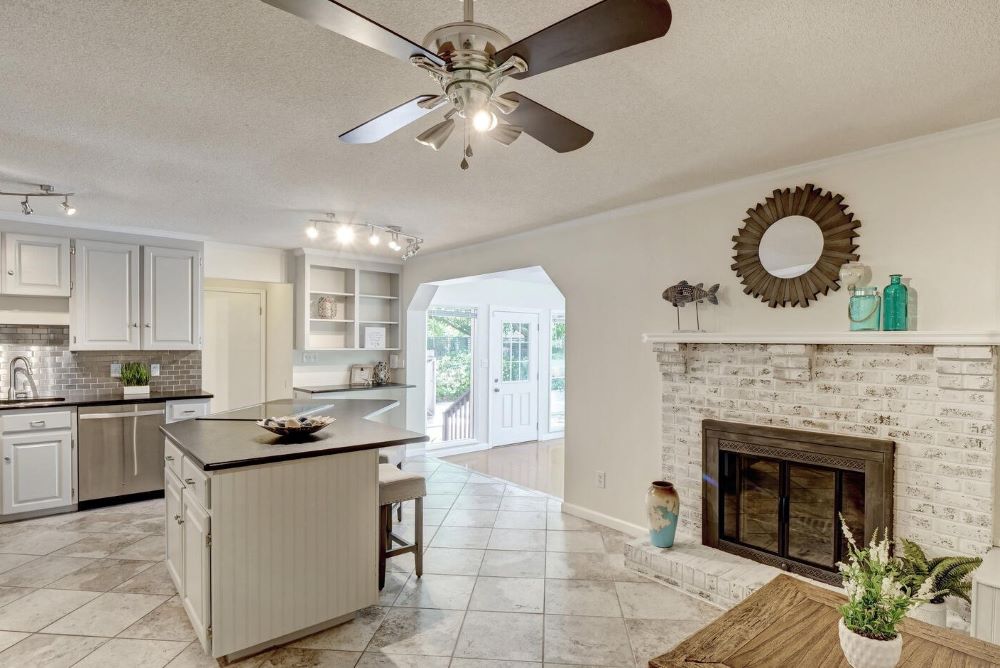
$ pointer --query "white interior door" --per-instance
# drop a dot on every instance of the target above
(513, 377)
(233, 354)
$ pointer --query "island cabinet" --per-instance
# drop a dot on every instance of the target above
(267, 553)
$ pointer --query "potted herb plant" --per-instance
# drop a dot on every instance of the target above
(135, 378)
(877, 603)
(949, 576)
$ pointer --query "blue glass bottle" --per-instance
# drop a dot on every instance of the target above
(894, 305)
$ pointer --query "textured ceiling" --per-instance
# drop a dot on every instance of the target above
(219, 118)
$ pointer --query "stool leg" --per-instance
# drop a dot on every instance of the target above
(418, 532)
(399, 512)
(382, 534)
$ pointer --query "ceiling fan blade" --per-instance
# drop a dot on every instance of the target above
(385, 124)
(602, 28)
(345, 21)
(552, 129)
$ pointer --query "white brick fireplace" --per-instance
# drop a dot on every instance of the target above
(932, 394)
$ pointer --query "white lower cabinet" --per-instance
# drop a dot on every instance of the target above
(37, 462)
(173, 489)
(188, 559)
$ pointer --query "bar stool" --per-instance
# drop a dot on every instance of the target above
(396, 486)
(384, 459)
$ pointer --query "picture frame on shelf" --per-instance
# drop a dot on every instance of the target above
(375, 338)
(362, 374)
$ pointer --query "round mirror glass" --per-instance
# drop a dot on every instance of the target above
(791, 246)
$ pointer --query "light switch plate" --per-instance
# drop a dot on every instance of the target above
(154, 369)
(116, 370)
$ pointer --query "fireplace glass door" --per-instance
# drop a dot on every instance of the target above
(788, 509)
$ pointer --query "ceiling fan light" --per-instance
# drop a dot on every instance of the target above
(436, 135)
(345, 234)
(484, 120)
(504, 105)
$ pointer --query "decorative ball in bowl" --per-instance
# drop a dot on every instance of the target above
(296, 426)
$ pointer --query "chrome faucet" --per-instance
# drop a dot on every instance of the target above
(26, 370)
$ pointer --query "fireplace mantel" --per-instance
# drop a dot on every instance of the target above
(832, 338)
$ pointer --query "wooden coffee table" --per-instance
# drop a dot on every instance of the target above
(791, 623)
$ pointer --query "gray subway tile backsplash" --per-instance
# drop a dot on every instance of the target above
(58, 370)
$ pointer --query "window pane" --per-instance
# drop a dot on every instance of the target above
(450, 334)
(515, 360)
(557, 375)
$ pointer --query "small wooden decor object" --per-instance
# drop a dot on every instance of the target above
(839, 230)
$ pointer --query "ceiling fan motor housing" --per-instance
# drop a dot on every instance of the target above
(468, 49)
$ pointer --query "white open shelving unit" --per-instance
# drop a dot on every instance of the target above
(364, 296)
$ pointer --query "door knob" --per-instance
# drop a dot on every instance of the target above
(10, 272)
(7, 459)
(496, 389)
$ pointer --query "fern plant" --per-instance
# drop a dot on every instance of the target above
(134, 374)
(949, 575)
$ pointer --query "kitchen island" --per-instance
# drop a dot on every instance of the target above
(272, 538)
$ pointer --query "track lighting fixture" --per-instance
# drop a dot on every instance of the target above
(43, 191)
(346, 233)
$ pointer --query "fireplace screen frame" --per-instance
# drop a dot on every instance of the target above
(870, 456)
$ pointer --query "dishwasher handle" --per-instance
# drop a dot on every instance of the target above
(113, 416)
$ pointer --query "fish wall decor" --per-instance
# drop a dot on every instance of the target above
(684, 293)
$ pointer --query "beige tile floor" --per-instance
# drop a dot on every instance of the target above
(510, 582)
(536, 465)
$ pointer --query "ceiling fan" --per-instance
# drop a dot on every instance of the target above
(471, 60)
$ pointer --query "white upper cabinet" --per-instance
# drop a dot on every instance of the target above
(104, 307)
(171, 299)
(36, 266)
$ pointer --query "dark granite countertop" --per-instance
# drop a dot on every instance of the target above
(232, 439)
(323, 389)
(96, 398)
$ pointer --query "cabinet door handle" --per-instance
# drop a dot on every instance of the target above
(10, 272)
(177, 518)
(7, 459)
(188, 412)
(37, 423)
(189, 481)
(148, 325)
(135, 324)
(169, 458)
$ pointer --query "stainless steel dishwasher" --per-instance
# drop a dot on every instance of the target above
(121, 449)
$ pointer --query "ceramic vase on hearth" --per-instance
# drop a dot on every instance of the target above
(663, 505)
(862, 652)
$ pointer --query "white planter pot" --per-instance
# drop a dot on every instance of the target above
(862, 652)
(932, 613)
(134, 390)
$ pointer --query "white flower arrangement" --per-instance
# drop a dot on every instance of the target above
(877, 600)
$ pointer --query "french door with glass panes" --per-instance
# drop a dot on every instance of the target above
(513, 377)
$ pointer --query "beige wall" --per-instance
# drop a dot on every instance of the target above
(930, 209)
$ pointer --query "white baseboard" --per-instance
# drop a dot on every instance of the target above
(459, 449)
(605, 520)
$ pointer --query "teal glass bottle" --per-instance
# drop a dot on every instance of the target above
(894, 305)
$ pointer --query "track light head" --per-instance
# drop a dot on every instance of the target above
(67, 208)
(312, 232)
(394, 242)
(373, 238)
(345, 233)
(25, 207)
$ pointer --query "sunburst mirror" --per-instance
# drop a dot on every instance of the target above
(791, 246)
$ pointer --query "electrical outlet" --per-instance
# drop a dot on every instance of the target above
(601, 479)
(154, 369)
(308, 357)
(116, 370)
